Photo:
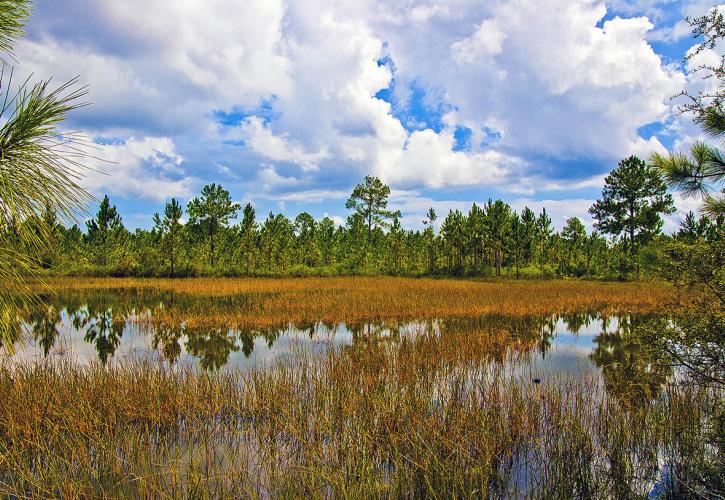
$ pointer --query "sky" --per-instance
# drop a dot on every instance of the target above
(289, 104)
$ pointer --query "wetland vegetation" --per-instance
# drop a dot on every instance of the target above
(270, 387)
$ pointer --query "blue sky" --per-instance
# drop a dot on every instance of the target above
(289, 104)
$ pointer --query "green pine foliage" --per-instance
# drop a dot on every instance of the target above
(633, 200)
(491, 239)
(40, 167)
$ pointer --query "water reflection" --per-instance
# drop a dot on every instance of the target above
(44, 326)
(627, 372)
(103, 328)
(117, 323)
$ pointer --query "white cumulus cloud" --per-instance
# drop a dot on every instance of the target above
(137, 168)
(538, 84)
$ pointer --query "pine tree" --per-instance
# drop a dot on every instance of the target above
(306, 240)
(573, 235)
(39, 167)
(430, 238)
(370, 200)
(210, 213)
(634, 197)
(543, 234)
(696, 174)
(498, 225)
(249, 235)
(169, 229)
(517, 243)
(528, 220)
(104, 231)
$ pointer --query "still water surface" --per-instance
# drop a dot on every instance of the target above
(117, 326)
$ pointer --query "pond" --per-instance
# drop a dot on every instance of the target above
(121, 325)
(383, 397)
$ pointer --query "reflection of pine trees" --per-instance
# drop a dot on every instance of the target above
(212, 346)
(628, 373)
(102, 316)
(44, 323)
(576, 321)
(548, 330)
(167, 340)
(526, 334)
(104, 329)
(104, 325)
(367, 332)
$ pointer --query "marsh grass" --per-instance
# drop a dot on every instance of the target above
(439, 412)
(270, 302)
(425, 416)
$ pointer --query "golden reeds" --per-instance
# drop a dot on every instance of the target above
(439, 412)
(265, 302)
(413, 419)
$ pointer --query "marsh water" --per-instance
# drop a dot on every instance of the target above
(119, 326)
(116, 326)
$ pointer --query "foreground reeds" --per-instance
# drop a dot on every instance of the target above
(422, 417)
(264, 302)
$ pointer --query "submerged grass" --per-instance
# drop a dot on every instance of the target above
(275, 301)
(425, 417)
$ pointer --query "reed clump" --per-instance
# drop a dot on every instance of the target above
(420, 417)
(269, 302)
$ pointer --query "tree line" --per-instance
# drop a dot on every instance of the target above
(490, 239)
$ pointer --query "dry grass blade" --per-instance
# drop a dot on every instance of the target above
(402, 426)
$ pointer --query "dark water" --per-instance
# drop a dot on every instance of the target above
(112, 326)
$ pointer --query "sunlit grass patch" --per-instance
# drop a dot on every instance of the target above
(275, 301)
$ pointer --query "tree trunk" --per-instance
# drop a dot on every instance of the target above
(589, 260)
(212, 250)
(370, 225)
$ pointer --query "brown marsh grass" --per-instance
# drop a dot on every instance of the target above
(390, 420)
(275, 301)
(430, 415)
